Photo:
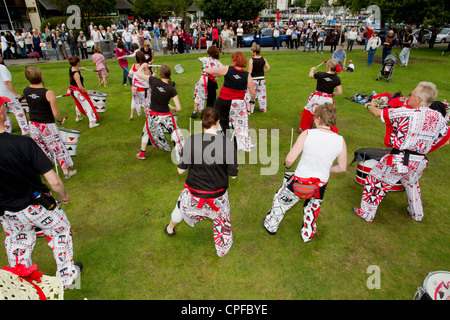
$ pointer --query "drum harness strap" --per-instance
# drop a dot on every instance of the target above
(406, 154)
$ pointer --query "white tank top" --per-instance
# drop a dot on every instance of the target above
(320, 150)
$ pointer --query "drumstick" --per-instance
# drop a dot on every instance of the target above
(64, 119)
(62, 96)
(321, 63)
(154, 65)
(90, 70)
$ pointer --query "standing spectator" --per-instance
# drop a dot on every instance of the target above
(44, 50)
(275, 37)
(289, 37)
(215, 36)
(209, 40)
(320, 40)
(21, 50)
(82, 44)
(28, 41)
(351, 37)
(367, 36)
(96, 36)
(175, 42)
(340, 55)
(52, 38)
(434, 33)
(36, 44)
(257, 35)
(72, 40)
(226, 39)
(239, 34)
(61, 45)
(372, 46)
(388, 43)
(126, 38)
(334, 40)
(404, 55)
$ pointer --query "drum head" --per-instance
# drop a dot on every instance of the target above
(370, 153)
(437, 284)
(179, 68)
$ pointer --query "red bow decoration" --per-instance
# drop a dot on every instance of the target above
(28, 274)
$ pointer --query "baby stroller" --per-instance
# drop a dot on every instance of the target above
(387, 69)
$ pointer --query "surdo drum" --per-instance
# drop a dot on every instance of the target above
(435, 287)
(367, 158)
(98, 100)
(70, 138)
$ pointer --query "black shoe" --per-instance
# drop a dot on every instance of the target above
(194, 114)
(169, 234)
(79, 265)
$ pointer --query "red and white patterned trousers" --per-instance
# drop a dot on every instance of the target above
(48, 138)
(21, 238)
(187, 209)
(16, 108)
(385, 175)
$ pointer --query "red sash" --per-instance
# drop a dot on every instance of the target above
(201, 202)
(86, 96)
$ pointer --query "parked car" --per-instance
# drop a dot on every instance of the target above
(443, 36)
(426, 35)
(266, 38)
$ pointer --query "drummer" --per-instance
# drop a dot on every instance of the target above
(43, 113)
(326, 83)
(258, 67)
(209, 158)
(319, 148)
(160, 119)
(205, 88)
(83, 103)
(411, 132)
(140, 90)
(231, 101)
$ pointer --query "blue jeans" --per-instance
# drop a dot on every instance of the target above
(125, 75)
(370, 56)
(319, 44)
(128, 45)
(276, 43)
(386, 52)
(307, 43)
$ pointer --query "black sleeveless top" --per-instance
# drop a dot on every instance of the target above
(40, 109)
(72, 80)
(234, 84)
(258, 67)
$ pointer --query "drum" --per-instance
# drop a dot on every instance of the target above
(70, 138)
(98, 100)
(367, 158)
(179, 68)
(435, 287)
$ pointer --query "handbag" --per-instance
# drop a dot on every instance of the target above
(306, 188)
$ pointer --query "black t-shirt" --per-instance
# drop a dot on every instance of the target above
(40, 109)
(210, 159)
(258, 67)
(161, 94)
(326, 82)
(71, 78)
(410, 39)
(21, 164)
(148, 54)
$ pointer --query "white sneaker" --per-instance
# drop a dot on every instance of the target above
(93, 125)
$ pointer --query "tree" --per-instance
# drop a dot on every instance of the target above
(231, 10)
(315, 5)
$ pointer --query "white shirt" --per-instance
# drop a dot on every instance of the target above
(126, 36)
(95, 35)
(320, 149)
(373, 43)
(239, 31)
(5, 75)
(352, 35)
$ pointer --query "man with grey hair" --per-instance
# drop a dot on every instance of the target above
(412, 132)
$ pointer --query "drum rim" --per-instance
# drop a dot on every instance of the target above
(69, 130)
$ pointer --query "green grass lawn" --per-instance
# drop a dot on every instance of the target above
(120, 205)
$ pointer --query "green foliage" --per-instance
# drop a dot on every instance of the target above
(232, 9)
